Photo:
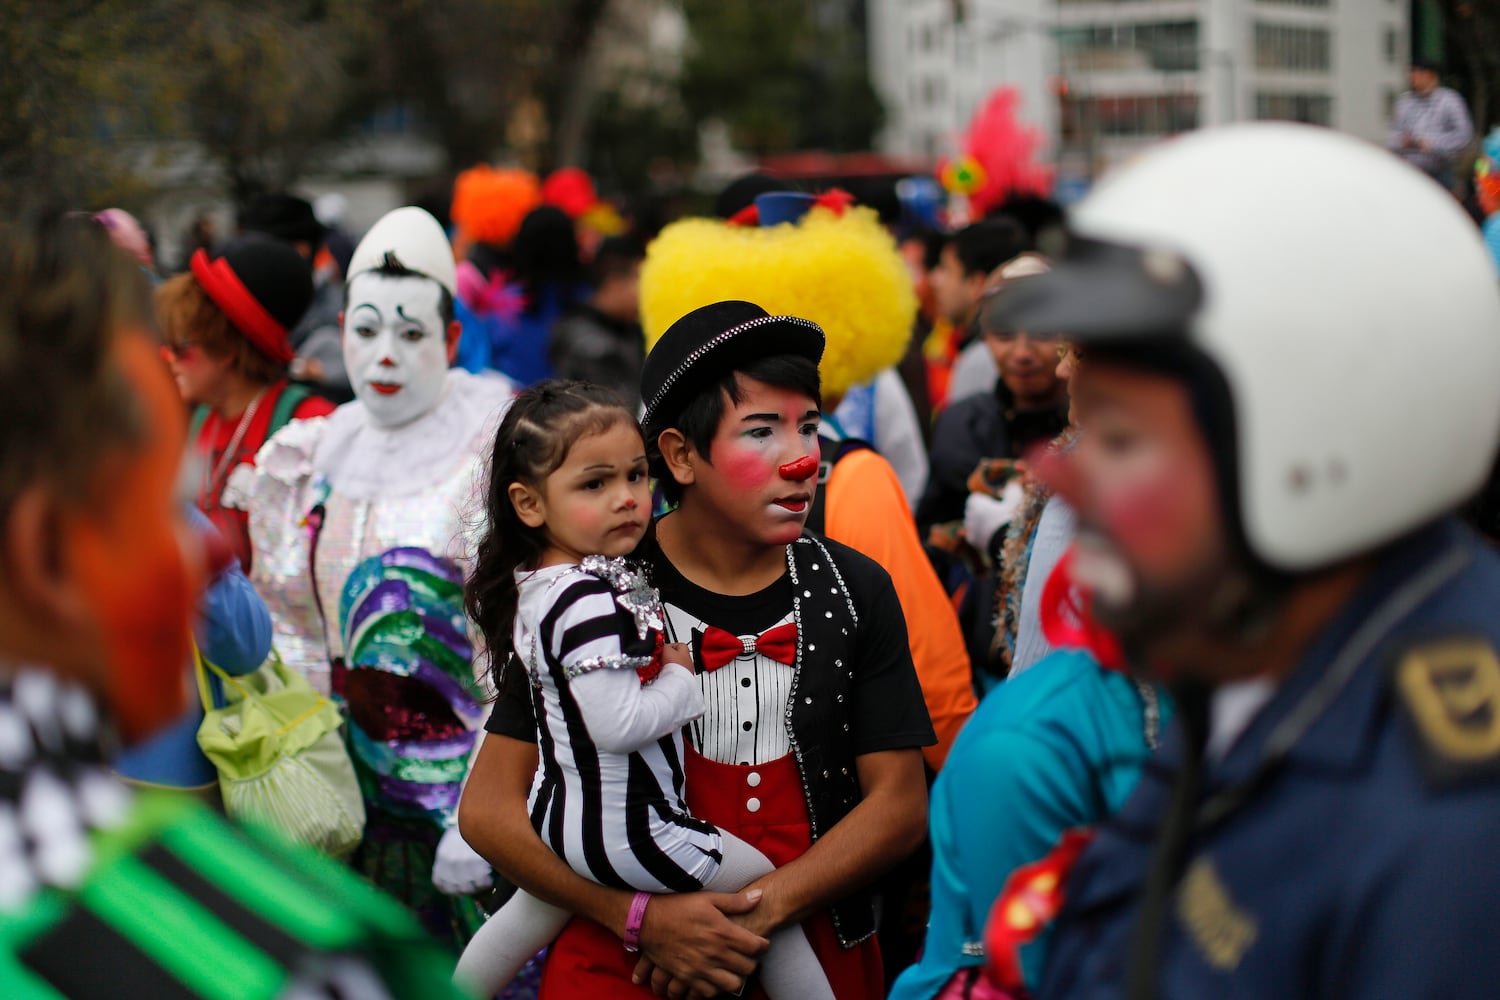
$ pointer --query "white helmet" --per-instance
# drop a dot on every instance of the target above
(1345, 298)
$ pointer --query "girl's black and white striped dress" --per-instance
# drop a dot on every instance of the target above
(608, 797)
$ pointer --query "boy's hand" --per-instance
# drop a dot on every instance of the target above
(677, 652)
(690, 947)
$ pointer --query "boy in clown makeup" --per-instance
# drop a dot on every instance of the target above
(810, 750)
(362, 524)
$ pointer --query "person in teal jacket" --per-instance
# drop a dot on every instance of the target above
(1056, 748)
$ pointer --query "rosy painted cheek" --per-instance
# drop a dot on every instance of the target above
(586, 518)
(1148, 516)
(746, 468)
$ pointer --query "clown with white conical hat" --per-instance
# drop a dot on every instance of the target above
(362, 526)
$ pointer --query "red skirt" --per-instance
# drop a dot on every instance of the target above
(762, 805)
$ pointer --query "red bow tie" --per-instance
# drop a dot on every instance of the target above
(719, 646)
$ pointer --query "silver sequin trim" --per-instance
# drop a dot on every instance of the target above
(848, 600)
(632, 591)
(693, 358)
(606, 663)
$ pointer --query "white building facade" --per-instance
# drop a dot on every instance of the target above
(1102, 78)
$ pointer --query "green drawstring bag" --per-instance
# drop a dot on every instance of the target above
(280, 756)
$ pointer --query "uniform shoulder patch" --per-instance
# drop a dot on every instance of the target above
(1450, 690)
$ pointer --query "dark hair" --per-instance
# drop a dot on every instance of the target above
(391, 267)
(986, 245)
(699, 418)
(932, 245)
(545, 256)
(616, 257)
(539, 429)
(1036, 214)
(65, 292)
(284, 217)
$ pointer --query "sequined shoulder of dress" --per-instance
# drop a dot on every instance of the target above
(633, 591)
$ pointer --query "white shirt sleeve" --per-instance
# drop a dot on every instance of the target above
(595, 642)
(622, 715)
(974, 372)
(1454, 127)
(898, 435)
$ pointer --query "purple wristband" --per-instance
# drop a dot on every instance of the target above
(633, 921)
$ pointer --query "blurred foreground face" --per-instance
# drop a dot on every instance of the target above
(134, 557)
(1423, 81)
(1152, 544)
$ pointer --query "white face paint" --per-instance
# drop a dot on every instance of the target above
(395, 346)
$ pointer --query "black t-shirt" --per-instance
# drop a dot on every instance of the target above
(749, 614)
(887, 711)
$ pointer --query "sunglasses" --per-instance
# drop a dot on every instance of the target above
(182, 350)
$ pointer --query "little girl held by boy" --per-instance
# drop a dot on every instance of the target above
(568, 498)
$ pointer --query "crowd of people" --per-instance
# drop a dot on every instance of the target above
(782, 603)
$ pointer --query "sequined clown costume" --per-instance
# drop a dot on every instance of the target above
(363, 524)
(363, 536)
(407, 681)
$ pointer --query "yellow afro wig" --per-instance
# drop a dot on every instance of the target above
(489, 204)
(843, 272)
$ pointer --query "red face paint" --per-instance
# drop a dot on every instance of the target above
(802, 469)
(1146, 513)
(745, 468)
(129, 556)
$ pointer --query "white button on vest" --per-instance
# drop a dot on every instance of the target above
(753, 805)
(753, 779)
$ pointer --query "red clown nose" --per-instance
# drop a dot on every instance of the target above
(804, 468)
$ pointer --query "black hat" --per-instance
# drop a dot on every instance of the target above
(262, 285)
(284, 216)
(712, 341)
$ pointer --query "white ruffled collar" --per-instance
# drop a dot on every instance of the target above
(365, 461)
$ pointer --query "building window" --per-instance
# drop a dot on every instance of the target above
(1165, 46)
(1392, 45)
(1280, 46)
(1127, 117)
(1298, 3)
(1313, 109)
